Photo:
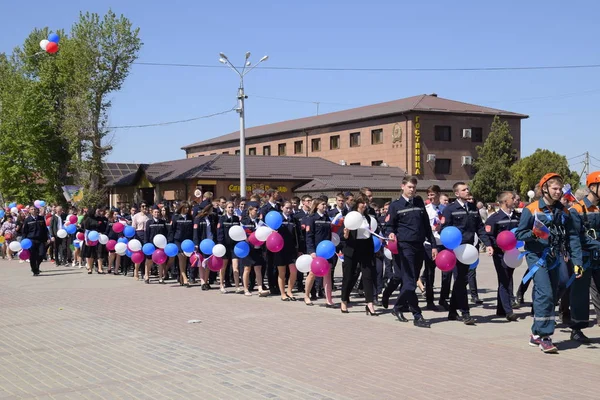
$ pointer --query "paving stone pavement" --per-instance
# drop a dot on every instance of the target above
(69, 335)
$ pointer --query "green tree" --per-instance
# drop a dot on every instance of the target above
(493, 163)
(526, 173)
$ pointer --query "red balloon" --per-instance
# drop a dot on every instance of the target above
(110, 245)
(275, 242)
(20, 206)
(319, 266)
(392, 246)
(254, 241)
(118, 227)
(24, 255)
(52, 47)
(7, 235)
(159, 256)
(196, 260)
(91, 243)
(73, 219)
(445, 260)
(80, 235)
(215, 263)
(506, 240)
(137, 257)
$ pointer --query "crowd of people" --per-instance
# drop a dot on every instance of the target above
(560, 247)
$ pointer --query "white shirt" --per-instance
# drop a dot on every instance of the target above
(432, 213)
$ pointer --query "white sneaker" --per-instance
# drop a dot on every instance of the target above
(21, 261)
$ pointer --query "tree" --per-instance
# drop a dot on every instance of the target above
(493, 163)
(526, 173)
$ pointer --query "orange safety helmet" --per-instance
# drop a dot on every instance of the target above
(592, 178)
(547, 177)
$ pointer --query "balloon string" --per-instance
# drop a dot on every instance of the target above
(379, 236)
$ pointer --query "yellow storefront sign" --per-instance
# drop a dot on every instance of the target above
(257, 188)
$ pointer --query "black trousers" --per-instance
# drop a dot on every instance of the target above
(381, 266)
(472, 278)
(428, 277)
(353, 267)
(37, 252)
(410, 257)
(459, 300)
(272, 273)
(60, 250)
(505, 286)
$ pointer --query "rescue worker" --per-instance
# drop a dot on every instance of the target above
(550, 238)
(34, 228)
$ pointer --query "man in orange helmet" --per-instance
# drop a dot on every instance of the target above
(586, 218)
(550, 237)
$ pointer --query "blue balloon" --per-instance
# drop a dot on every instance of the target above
(451, 237)
(148, 249)
(129, 231)
(187, 246)
(128, 253)
(26, 244)
(123, 240)
(42, 203)
(242, 249)
(11, 205)
(53, 37)
(206, 246)
(514, 230)
(93, 236)
(77, 244)
(273, 220)
(2, 213)
(474, 265)
(377, 243)
(171, 250)
(520, 244)
(326, 249)
(71, 229)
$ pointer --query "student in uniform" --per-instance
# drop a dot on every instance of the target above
(301, 220)
(90, 253)
(182, 228)
(434, 212)
(205, 227)
(155, 226)
(255, 259)
(34, 228)
(286, 258)
(270, 270)
(114, 260)
(226, 221)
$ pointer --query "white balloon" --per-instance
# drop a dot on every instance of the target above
(160, 241)
(373, 224)
(135, 245)
(219, 250)
(262, 233)
(353, 220)
(531, 194)
(120, 248)
(187, 254)
(303, 263)
(466, 253)
(237, 233)
(61, 233)
(335, 239)
(103, 239)
(512, 258)
(44, 43)
(15, 246)
(14, 210)
(387, 253)
(363, 230)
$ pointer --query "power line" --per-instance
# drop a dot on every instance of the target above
(181, 121)
(301, 101)
(591, 156)
(581, 155)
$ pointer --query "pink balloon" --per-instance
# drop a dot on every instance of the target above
(118, 227)
(80, 235)
(215, 263)
(275, 242)
(506, 240)
(24, 255)
(319, 266)
(159, 256)
(196, 260)
(254, 241)
(110, 245)
(73, 219)
(91, 243)
(445, 260)
(137, 257)
(392, 246)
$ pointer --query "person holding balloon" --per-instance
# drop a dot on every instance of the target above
(155, 226)
(205, 227)
(90, 253)
(285, 259)
(34, 229)
(182, 230)
(114, 259)
(7, 233)
(60, 243)
(226, 222)
(272, 204)
(254, 259)
(138, 222)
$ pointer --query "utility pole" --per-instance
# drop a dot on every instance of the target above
(586, 166)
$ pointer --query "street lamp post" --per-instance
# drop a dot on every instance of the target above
(241, 97)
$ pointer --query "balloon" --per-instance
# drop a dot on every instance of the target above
(26, 244)
(392, 245)
(3, 238)
(2, 213)
(188, 246)
(254, 241)
(36, 204)
(319, 266)
(273, 219)
(53, 37)
(121, 248)
(71, 229)
(134, 245)
(219, 250)
(474, 265)
(128, 231)
(80, 235)
(43, 44)
(159, 256)
(92, 243)
(14, 210)
(387, 253)
(451, 237)
(262, 233)
(466, 253)
(520, 244)
(275, 242)
(24, 255)
(512, 258)
(51, 47)
(73, 219)
(241, 249)
(171, 250)
(42, 203)
(148, 249)
(110, 245)
(137, 257)
(506, 240)
(215, 263)
(373, 224)
(20, 207)
(76, 244)
(325, 249)
(15, 246)
(118, 227)
(237, 233)
(445, 260)
(206, 246)
(93, 236)
(376, 243)
(13, 204)
(196, 260)
(187, 253)
(531, 194)
(303, 263)
(123, 240)
(103, 239)
(61, 233)
(335, 239)
(353, 220)
(128, 253)
(160, 241)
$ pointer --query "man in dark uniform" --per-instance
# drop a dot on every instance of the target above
(504, 220)
(466, 218)
(34, 229)
(407, 222)
(57, 222)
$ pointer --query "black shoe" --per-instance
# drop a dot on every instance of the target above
(520, 299)
(205, 286)
(578, 336)
(321, 294)
(399, 315)
(476, 300)
(228, 284)
(444, 304)
(274, 292)
(313, 298)
(515, 305)
(369, 313)
(512, 317)
(432, 307)
(421, 322)
(385, 302)
(467, 319)
(345, 311)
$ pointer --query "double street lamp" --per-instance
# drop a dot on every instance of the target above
(241, 97)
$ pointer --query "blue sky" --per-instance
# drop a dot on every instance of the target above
(333, 33)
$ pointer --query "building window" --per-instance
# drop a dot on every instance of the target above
(377, 136)
(298, 147)
(237, 152)
(266, 150)
(315, 145)
(443, 133)
(334, 142)
(376, 163)
(281, 149)
(442, 165)
(225, 152)
(252, 151)
(354, 163)
(355, 139)
(476, 135)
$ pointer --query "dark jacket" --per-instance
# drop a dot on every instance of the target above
(500, 222)
(318, 228)
(182, 228)
(468, 221)
(290, 232)
(154, 228)
(34, 228)
(200, 229)
(225, 223)
(355, 247)
(408, 220)
(54, 224)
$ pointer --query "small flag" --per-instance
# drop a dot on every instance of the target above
(567, 193)
(539, 229)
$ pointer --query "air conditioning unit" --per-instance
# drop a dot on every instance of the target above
(342, 162)
(466, 134)
(430, 157)
(466, 160)
(384, 165)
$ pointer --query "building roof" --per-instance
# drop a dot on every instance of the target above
(120, 174)
(421, 103)
(345, 183)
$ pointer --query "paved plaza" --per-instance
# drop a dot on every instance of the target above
(69, 335)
